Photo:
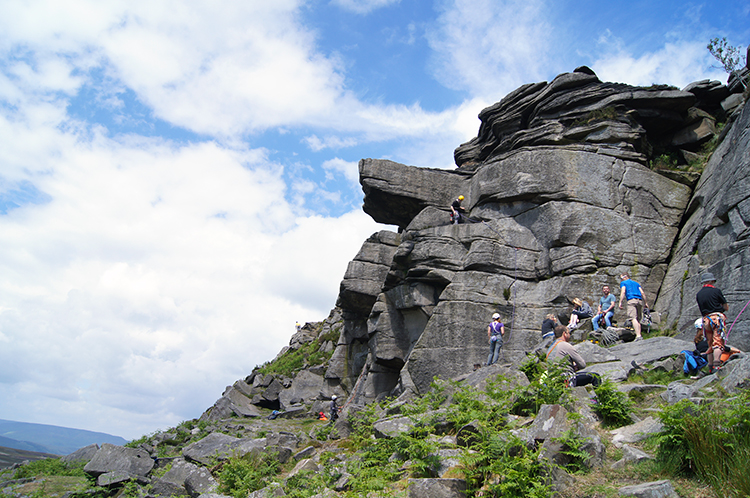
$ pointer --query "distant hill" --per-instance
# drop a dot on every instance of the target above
(10, 456)
(50, 438)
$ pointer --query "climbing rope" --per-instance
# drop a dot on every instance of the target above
(735, 319)
(609, 337)
(515, 273)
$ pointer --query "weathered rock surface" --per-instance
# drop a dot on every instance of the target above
(562, 202)
(217, 446)
(111, 458)
(656, 489)
(715, 238)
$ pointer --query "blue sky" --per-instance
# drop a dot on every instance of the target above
(178, 179)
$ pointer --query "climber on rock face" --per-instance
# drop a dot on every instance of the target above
(457, 210)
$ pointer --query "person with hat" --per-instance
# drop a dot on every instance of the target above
(495, 333)
(581, 311)
(334, 409)
(712, 305)
(631, 291)
(457, 210)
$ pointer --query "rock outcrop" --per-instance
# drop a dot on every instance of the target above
(567, 185)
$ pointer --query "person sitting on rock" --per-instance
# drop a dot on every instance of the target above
(563, 350)
(548, 326)
(457, 210)
(581, 311)
(605, 309)
(495, 332)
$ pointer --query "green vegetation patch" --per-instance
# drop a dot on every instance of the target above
(308, 355)
(710, 441)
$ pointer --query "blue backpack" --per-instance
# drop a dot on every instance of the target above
(693, 362)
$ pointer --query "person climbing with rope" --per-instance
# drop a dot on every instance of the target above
(457, 210)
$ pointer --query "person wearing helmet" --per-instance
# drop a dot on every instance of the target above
(334, 409)
(457, 210)
(495, 333)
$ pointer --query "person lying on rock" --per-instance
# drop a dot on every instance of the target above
(562, 350)
(457, 210)
(581, 311)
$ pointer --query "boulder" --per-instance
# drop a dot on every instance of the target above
(218, 446)
(630, 455)
(395, 193)
(307, 387)
(737, 373)
(436, 488)
(111, 458)
(636, 432)
(84, 454)
(656, 489)
(304, 465)
(200, 482)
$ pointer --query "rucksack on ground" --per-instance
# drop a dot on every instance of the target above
(694, 361)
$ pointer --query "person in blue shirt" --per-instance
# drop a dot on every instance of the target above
(606, 308)
(631, 291)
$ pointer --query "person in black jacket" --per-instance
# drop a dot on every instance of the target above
(457, 210)
(712, 304)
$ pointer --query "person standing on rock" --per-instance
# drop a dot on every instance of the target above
(457, 210)
(495, 333)
(334, 409)
(712, 304)
(631, 291)
(606, 308)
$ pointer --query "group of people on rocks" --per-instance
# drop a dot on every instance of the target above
(711, 303)
(710, 336)
(630, 292)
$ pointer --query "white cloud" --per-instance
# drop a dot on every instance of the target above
(350, 169)
(155, 273)
(363, 6)
(331, 142)
(675, 64)
(489, 48)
